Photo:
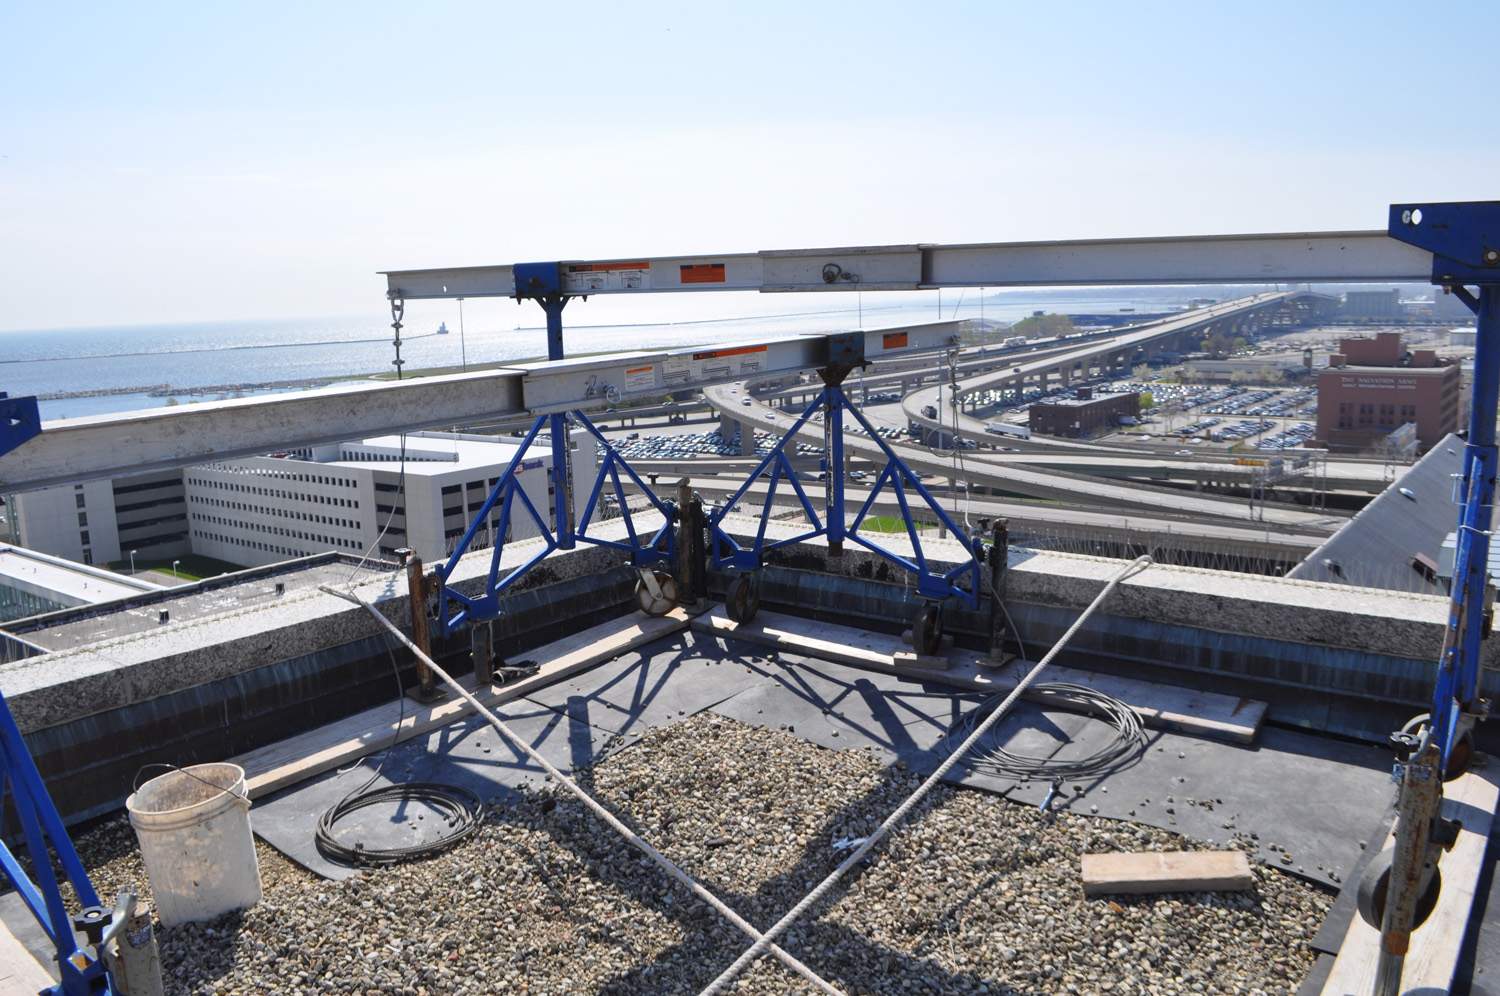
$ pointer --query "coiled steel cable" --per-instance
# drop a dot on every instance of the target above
(993, 758)
(458, 807)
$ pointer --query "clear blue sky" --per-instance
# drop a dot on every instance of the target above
(163, 162)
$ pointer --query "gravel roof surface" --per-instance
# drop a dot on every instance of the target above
(974, 894)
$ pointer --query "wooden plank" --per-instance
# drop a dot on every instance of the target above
(1224, 717)
(1433, 956)
(295, 759)
(1143, 872)
(19, 971)
(909, 658)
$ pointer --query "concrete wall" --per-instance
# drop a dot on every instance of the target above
(49, 522)
(207, 688)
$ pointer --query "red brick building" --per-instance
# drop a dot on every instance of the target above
(1373, 386)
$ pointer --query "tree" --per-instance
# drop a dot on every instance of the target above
(1218, 345)
(1147, 400)
(1040, 326)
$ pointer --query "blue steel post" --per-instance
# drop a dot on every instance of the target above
(553, 305)
(834, 513)
(1457, 683)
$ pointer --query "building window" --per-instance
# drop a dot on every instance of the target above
(78, 499)
(83, 520)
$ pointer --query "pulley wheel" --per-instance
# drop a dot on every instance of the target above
(741, 599)
(660, 602)
(1374, 885)
(1459, 758)
(927, 630)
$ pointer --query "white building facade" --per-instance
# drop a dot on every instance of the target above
(102, 522)
(371, 495)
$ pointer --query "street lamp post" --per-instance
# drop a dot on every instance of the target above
(132, 562)
(174, 569)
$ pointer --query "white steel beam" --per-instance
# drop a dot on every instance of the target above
(1301, 257)
(81, 449)
(594, 381)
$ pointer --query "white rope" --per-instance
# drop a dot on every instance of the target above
(858, 854)
(661, 860)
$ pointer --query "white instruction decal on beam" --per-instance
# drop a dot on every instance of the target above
(585, 277)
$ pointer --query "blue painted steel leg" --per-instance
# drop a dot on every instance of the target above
(561, 512)
(41, 826)
(834, 509)
(1457, 685)
(553, 305)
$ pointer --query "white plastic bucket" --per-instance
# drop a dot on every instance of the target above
(193, 825)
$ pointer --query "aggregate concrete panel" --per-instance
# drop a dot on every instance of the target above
(1390, 623)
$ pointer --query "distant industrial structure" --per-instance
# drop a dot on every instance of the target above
(1373, 304)
(418, 494)
(1373, 386)
(1086, 415)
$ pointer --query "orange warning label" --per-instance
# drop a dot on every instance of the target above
(715, 354)
(701, 273)
(893, 340)
(639, 264)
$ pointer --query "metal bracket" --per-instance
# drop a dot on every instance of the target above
(1463, 237)
(20, 420)
(537, 280)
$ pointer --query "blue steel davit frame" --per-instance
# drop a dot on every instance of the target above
(1464, 239)
(725, 551)
(542, 283)
(81, 970)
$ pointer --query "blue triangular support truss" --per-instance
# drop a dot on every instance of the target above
(726, 551)
(456, 610)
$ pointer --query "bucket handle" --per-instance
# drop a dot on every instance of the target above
(135, 783)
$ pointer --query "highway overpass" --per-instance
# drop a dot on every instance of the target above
(1036, 483)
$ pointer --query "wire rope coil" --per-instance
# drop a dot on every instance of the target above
(459, 807)
(988, 755)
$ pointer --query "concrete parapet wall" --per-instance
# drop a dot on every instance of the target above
(1362, 619)
(66, 685)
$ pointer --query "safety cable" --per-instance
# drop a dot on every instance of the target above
(932, 780)
(762, 942)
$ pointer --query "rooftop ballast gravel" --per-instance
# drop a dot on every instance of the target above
(972, 895)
